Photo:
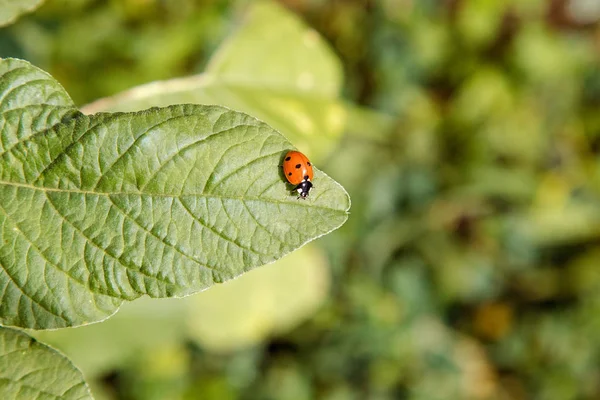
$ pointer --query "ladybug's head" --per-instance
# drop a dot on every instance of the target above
(303, 188)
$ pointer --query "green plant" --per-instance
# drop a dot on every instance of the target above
(104, 208)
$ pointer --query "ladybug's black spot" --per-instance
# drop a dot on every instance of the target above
(305, 177)
(298, 166)
(289, 174)
(288, 158)
(308, 163)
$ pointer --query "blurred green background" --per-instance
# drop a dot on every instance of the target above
(470, 265)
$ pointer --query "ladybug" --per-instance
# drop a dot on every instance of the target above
(298, 171)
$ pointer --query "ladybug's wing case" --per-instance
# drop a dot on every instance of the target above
(291, 167)
(297, 168)
(308, 169)
(289, 170)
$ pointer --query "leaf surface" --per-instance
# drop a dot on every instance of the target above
(31, 370)
(165, 202)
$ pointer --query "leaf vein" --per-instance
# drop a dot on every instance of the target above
(216, 232)
(25, 83)
(179, 151)
(305, 204)
(36, 389)
(216, 185)
(210, 177)
(162, 240)
(21, 289)
(32, 135)
(136, 141)
(115, 258)
(52, 162)
(271, 234)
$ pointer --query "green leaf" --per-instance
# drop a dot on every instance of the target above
(265, 302)
(10, 10)
(31, 370)
(99, 209)
(274, 49)
(275, 68)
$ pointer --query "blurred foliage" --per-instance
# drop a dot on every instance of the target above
(470, 266)
(11, 10)
(274, 68)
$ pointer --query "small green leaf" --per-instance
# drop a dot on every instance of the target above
(10, 10)
(31, 370)
(275, 68)
(99, 209)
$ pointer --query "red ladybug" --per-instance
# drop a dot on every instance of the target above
(298, 171)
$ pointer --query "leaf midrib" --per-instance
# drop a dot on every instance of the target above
(177, 196)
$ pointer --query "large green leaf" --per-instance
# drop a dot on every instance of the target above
(10, 10)
(31, 370)
(275, 68)
(165, 202)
